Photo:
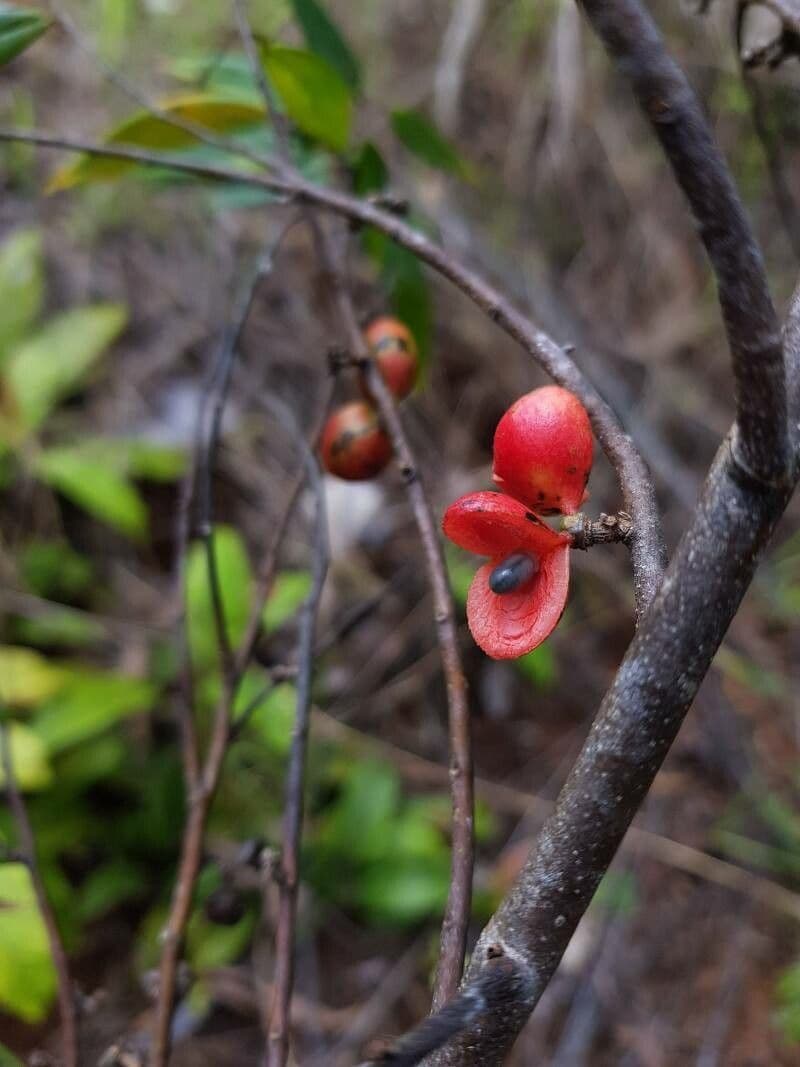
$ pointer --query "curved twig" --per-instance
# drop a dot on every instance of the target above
(648, 553)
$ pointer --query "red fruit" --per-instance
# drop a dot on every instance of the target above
(354, 446)
(395, 351)
(510, 623)
(543, 451)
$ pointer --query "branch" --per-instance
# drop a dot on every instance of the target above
(760, 443)
(203, 781)
(27, 851)
(648, 554)
(459, 899)
(278, 1038)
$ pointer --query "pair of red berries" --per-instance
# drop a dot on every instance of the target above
(542, 460)
(354, 445)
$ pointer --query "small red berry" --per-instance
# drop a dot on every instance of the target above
(543, 451)
(395, 351)
(354, 446)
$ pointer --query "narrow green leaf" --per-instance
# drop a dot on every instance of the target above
(216, 112)
(24, 948)
(370, 173)
(56, 361)
(54, 569)
(96, 488)
(316, 98)
(90, 703)
(324, 37)
(235, 582)
(21, 286)
(19, 28)
(421, 137)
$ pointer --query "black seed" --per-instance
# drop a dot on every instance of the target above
(512, 573)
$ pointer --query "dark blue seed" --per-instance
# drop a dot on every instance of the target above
(512, 573)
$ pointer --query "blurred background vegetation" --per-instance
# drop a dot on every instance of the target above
(115, 284)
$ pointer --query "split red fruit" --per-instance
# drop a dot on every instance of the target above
(517, 598)
(395, 351)
(543, 451)
(354, 445)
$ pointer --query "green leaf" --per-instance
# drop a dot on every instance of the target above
(316, 98)
(370, 173)
(21, 286)
(618, 893)
(323, 37)
(54, 569)
(539, 667)
(110, 885)
(409, 294)
(95, 487)
(90, 703)
(272, 720)
(8, 1059)
(24, 949)
(358, 825)
(28, 757)
(153, 462)
(403, 890)
(26, 677)
(19, 28)
(59, 627)
(288, 593)
(56, 361)
(235, 583)
(421, 137)
(216, 112)
(209, 945)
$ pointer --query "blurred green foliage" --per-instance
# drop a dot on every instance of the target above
(91, 731)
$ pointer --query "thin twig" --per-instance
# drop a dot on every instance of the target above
(203, 781)
(761, 442)
(459, 900)
(27, 849)
(648, 553)
(200, 133)
(771, 143)
(257, 69)
(288, 882)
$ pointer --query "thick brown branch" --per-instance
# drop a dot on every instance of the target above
(630, 737)
(760, 443)
(647, 548)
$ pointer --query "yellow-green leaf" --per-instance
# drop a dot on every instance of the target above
(26, 677)
(55, 361)
(90, 703)
(217, 113)
(21, 286)
(316, 98)
(96, 488)
(28, 758)
(24, 949)
(235, 584)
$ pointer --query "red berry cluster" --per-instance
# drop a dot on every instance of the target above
(542, 461)
(354, 445)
